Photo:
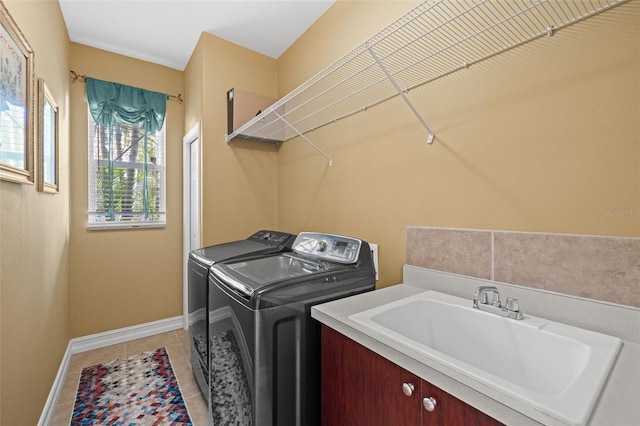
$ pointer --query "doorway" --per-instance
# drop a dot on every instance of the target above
(191, 211)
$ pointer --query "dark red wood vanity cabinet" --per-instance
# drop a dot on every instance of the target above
(449, 410)
(362, 388)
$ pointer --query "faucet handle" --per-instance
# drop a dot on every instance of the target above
(496, 300)
(512, 304)
(481, 296)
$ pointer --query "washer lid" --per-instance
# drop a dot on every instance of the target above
(210, 255)
(249, 276)
(260, 242)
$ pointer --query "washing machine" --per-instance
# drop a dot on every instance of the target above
(200, 260)
(265, 347)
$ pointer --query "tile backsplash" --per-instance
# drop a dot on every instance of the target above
(594, 267)
(460, 251)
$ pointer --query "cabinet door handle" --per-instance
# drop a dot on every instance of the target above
(429, 403)
(407, 389)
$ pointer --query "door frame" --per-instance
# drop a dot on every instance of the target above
(192, 136)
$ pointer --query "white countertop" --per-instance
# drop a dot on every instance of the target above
(619, 404)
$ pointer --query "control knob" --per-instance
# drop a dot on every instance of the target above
(322, 246)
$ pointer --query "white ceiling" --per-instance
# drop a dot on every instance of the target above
(166, 31)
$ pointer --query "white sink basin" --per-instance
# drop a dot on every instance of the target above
(554, 368)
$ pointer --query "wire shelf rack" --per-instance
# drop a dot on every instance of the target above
(435, 39)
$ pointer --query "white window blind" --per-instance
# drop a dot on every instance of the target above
(126, 181)
(12, 138)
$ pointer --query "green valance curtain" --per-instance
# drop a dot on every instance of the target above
(110, 103)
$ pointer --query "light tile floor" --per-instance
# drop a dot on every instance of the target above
(177, 345)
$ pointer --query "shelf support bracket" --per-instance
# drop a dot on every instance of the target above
(402, 93)
(289, 125)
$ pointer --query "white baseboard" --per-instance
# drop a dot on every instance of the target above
(97, 341)
(112, 337)
(50, 406)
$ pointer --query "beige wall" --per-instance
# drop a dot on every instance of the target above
(194, 87)
(34, 243)
(239, 181)
(342, 28)
(121, 278)
(544, 138)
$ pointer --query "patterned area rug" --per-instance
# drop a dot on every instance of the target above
(137, 390)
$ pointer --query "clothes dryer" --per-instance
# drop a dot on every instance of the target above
(200, 260)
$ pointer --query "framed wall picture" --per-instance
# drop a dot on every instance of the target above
(17, 89)
(47, 140)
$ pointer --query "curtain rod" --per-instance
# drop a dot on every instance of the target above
(75, 77)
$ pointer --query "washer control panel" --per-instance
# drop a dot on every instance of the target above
(334, 248)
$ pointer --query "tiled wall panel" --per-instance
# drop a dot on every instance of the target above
(461, 251)
(601, 268)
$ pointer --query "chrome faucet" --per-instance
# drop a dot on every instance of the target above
(481, 301)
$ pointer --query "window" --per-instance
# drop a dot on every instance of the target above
(126, 176)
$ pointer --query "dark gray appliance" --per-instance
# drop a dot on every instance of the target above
(265, 347)
(200, 260)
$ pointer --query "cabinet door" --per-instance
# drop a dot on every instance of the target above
(360, 387)
(450, 411)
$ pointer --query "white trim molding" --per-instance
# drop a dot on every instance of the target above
(126, 334)
(52, 400)
(192, 136)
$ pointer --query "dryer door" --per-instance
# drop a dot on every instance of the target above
(231, 341)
